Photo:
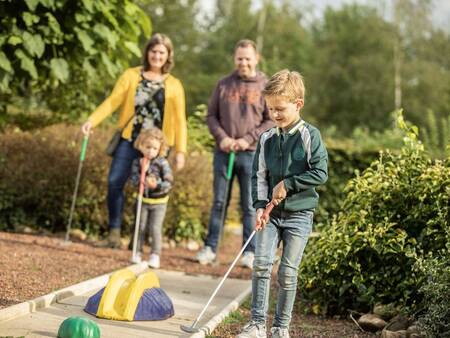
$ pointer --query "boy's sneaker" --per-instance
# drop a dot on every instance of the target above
(279, 332)
(205, 256)
(247, 259)
(154, 261)
(253, 330)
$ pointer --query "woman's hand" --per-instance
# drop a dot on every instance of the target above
(227, 144)
(86, 128)
(180, 160)
(279, 193)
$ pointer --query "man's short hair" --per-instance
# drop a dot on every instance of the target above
(244, 43)
(287, 84)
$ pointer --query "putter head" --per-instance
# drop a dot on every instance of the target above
(189, 329)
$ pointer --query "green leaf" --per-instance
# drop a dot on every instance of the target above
(132, 47)
(60, 69)
(32, 4)
(89, 5)
(53, 23)
(90, 71)
(4, 63)
(30, 19)
(48, 3)
(105, 33)
(15, 40)
(86, 40)
(34, 44)
(26, 63)
(110, 67)
(4, 82)
(145, 22)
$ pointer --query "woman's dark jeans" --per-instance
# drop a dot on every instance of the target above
(119, 172)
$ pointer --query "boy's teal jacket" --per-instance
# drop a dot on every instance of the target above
(298, 157)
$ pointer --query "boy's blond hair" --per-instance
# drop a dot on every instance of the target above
(287, 84)
(152, 134)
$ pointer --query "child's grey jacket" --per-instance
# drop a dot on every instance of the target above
(298, 157)
(158, 168)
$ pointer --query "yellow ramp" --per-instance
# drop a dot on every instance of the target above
(123, 293)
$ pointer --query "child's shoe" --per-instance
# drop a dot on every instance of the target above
(253, 330)
(205, 256)
(154, 261)
(137, 259)
(279, 332)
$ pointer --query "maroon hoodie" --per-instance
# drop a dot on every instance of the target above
(237, 109)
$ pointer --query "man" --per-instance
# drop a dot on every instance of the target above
(237, 115)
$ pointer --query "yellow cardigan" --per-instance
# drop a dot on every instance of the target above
(174, 120)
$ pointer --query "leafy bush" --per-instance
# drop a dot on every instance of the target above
(394, 213)
(435, 321)
(38, 170)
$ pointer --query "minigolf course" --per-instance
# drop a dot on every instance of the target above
(127, 297)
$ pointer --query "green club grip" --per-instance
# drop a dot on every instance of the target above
(83, 148)
(230, 164)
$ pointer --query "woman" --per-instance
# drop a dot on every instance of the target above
(149, 97)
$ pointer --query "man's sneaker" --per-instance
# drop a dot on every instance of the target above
(279, 332)
(253, 330)
(153, 261)
(205, 256)
(247, 259)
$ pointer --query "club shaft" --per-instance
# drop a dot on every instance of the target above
(224, 278)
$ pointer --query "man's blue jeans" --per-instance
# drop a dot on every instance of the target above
(119, 172)
(243, 170)
(293, 229)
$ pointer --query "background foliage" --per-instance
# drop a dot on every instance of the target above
(394, 213)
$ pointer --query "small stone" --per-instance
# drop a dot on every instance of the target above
(192, 245)
(398, 323)
(165, 245)
(371, 322)
(394, 334)
(385, 311)
(78, 234)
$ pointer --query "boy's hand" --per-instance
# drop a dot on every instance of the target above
(279, 193)
(151, 182)
(260, 221)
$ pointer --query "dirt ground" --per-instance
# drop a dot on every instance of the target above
(34, 265)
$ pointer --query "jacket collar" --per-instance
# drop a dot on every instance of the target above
(294, 128)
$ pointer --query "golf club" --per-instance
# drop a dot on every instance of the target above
(77, 183)
(144, 163)
(229, 173)
(192, 328)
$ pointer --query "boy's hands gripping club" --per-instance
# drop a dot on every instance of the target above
(262, 215)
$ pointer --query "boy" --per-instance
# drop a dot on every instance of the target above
(290, 161)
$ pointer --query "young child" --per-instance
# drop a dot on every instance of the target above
(151, 143)
(290, 161)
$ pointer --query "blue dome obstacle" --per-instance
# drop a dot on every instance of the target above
(129, 297)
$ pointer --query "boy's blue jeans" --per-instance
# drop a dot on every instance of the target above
(119, 172)
(293, 229)
(243, 170)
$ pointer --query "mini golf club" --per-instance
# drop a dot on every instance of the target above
(192, 328)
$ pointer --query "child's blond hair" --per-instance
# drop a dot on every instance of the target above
(152, 134)
(287, 84)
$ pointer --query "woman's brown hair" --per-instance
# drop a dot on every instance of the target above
(159, 39)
